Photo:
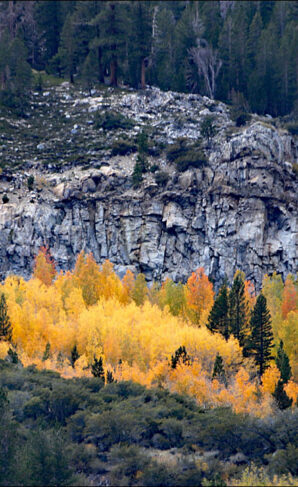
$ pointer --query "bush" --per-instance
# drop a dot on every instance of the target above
(154, 168)
(137, 175)
(143, 142)
(176, 150)
(185, 156)
(239, 116)
(193, 158)
(17, 104)
(112, 120)
(292, 128)
(141, 166)
(30, 182)
(5, 199)
(242, 119)
(122, 147)
(207, 127)
(161, 178)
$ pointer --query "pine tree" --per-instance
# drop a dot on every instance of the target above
(181, 355)
(237, 308)
(74, 356)
(207, 127)
(218, 369)
(261, 340)
(139, 46)
(111, 38)
(110, 377)
(13, 356)
(89, 74)
(283, 364)
(5, 325)
(219, 316)
(67, 49)
(281, 397)
(97, 369)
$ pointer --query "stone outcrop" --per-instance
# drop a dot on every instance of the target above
(237, 212)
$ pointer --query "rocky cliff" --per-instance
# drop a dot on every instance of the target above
(238, 211)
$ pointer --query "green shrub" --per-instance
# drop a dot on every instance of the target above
(142, 142)
(137, 175)
(154, 168)
(161, 178)
(239, 116)
(178, 149)
(207, 127)
(141, 166)
(30, 182)
(192, 158)
(112, 120)
(185, 156)
(292, 128)
(122, 147)
(5, 199)
(242, 119)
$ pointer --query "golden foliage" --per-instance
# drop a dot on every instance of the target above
(136, 331)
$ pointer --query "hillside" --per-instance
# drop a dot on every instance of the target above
(122, 434)
(224, 203)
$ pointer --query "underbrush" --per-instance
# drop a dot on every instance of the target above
(185, 155)
(130, 435)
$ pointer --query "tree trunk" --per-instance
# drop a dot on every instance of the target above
(100, 66)
(113, 75)
(143, 74)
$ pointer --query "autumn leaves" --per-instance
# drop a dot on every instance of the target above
(135, 330)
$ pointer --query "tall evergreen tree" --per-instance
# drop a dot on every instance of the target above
(261, 339)
(180, 355)
(74, 355)
(110, 377)
(67, 49)
(237, 308)
(112, 36)
(97, 369)
(5, 325)
(139, 46)
(218, 369)
(219, 316)
(164, 52)
(281, 397)
(283, 363)
(47, 15)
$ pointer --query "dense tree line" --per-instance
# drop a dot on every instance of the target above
(239, 52)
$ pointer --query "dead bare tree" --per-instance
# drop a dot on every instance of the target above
(208, 64)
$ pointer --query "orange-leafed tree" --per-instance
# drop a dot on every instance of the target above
(289, 297)
(199, 295)
(87, 274)
(110, 284)
(250, 298)
(128, 282)
(44, 266)
(140, 290)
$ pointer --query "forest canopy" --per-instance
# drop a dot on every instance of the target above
(243, 53)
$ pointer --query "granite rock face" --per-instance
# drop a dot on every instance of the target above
(237, 212)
